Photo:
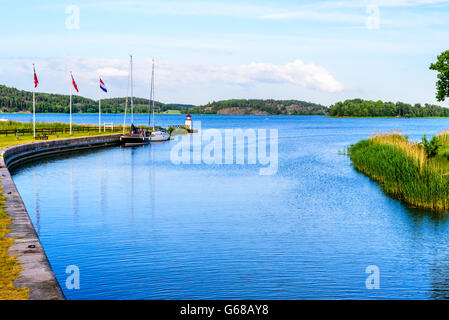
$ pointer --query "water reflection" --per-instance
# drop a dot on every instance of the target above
(152, 182)
(421, 221)
(440, 277)
(102, 188)
(36, 203)
(74, 196)
(131, 185)
(418, 216)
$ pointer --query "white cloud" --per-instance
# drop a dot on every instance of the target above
(172, 75)
(309, 76)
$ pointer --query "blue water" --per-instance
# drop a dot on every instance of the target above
(140, 227)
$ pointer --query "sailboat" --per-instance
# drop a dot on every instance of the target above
(136, 136)
(160, 134)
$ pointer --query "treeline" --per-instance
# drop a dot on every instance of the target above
(258, 106)
(14, 100)
(366, 108)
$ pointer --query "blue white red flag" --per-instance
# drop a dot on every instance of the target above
(102, 86)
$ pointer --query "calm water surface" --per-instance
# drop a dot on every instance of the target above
(140, 227)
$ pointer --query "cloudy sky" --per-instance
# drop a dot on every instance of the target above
(205, 50)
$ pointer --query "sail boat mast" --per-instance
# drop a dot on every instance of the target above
(152, 90)
(132, 93)
(160, 134)
(151, 99)
(151, 102)
(127, 94)
(136, 136)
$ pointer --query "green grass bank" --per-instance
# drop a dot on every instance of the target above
(405, 170)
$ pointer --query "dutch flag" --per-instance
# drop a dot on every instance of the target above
(103, 86)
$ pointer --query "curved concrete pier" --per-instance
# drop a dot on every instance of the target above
(38, 275)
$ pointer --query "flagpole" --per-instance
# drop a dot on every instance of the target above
(71, 105)
(34, 114)
(99, 111)
(34, 106)
(126, 100)
(99, 115)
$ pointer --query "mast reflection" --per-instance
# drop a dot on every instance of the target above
(74, 196)
(36, 204)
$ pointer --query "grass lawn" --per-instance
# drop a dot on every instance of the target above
(10, 140)
(171, 112)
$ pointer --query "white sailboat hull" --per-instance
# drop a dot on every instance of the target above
(159, 136)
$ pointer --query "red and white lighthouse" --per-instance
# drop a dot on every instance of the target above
(188, 123)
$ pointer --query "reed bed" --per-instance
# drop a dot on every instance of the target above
(403, 169)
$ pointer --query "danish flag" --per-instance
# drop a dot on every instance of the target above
(36, 82)
(74, 83)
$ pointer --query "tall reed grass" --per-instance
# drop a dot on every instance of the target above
(403, 169)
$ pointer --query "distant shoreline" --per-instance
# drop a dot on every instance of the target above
(216, 114)
(351, 117)
(185, 114)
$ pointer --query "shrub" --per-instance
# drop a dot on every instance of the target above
(431, 147)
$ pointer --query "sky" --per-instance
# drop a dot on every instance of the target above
(205, 50)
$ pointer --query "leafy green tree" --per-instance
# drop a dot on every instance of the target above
(442, 66)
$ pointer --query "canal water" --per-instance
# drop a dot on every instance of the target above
(139, 226)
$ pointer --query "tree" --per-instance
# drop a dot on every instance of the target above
(442, 66)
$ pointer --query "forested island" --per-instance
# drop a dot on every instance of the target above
(261, 107)
(367, 108)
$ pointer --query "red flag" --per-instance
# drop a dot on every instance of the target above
(36, 82)
(74, 84)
